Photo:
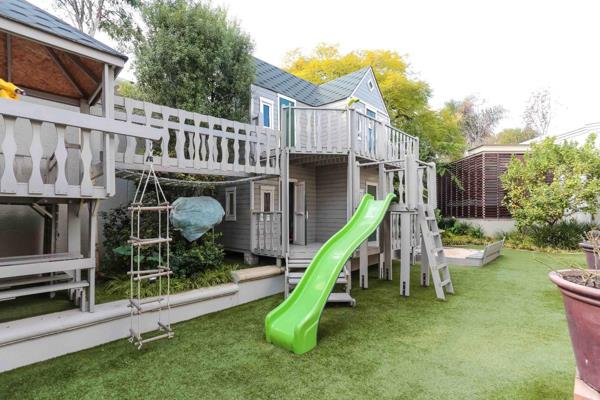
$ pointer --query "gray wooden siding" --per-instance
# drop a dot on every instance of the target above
(331, 197)
(257, 92)
(331, 200)
(365, 94)
(308, 175)
(236, 234)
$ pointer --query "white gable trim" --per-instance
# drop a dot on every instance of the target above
(370, 73)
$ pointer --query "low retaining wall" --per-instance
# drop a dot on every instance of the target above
(36, 339)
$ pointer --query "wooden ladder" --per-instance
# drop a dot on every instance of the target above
(433, 250)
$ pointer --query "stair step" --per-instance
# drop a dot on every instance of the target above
(340, 298)
(294, 278)
(14, 293)
(8, 283)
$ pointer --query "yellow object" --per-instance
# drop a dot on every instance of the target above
(10, 91)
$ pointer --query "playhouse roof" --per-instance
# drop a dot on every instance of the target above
(26, 13)
(280, 81)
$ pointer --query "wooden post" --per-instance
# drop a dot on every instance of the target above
(285, 204)
(74, 239)
(381, 193)
(350, 189)
(93, 234)
(253, 236)
(108, 105)
(405, 253)
(424, 265)
(432, 185)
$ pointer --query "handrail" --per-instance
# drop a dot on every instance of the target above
(42, 113)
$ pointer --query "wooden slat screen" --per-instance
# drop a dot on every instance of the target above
(482, 193)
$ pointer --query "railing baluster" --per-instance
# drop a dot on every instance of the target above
(8, 183)
(36, 183)
(86, 162)
(61, 186)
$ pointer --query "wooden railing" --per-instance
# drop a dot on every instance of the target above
(329, 130)
(196, 143)
(266, 233)
(51, 152)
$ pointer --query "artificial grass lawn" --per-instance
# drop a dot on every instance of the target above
(503, 335)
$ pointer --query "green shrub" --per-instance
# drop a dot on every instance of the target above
(186, 259)
(119, 286)
(564, 235)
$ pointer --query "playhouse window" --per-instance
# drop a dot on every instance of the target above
(266, 109)
(230, 204)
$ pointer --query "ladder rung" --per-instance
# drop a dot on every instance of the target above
(151, 276)
(150, 208)
(153, 338)
(446, 282)
(165, 327)
(145, 242)
(147, 271)
(134, 303)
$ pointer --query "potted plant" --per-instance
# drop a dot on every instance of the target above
(580, 289)
(592, 242)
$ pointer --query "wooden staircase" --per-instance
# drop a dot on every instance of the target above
(432, 252)
(294, 271)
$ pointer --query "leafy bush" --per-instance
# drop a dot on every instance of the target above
(551, 183)
(459, 228)
(119, 286)
(186, 258)
(562, 235)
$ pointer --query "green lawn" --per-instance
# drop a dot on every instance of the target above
(503, 335)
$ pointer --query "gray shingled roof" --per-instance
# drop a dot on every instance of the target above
(26, 13)
(275, 79)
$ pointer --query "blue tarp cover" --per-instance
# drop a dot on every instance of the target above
(194, 216)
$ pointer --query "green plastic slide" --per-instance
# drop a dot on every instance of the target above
(293, 324)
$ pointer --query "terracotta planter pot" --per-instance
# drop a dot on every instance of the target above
(590, 257)
(582, 306)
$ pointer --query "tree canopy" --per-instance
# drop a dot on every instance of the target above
(513, 136)
(194, 57)
(552, 182)
(476, 121)
(406, 98)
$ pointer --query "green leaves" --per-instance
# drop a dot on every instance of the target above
(406, 98)
(553, 182)
(195, 58)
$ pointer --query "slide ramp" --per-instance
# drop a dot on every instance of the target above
(294, 323)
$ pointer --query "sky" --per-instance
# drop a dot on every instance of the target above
(500, 51)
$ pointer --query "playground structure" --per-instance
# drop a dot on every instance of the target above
(63, 146)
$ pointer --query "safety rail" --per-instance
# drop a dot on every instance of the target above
(196, 143)
(266, 233)
(51, 152)
(334, 130)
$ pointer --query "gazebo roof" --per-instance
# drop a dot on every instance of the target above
(49, 58)
(26, 13)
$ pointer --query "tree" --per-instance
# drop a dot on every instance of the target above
(115, 17)
(538, 113)
(194, 57)
(406, 98)
(513, 136)
(476, 121)
(553, 182)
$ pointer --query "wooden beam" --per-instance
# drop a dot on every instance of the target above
(64, 71)
(84, 68)
(8, 58)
